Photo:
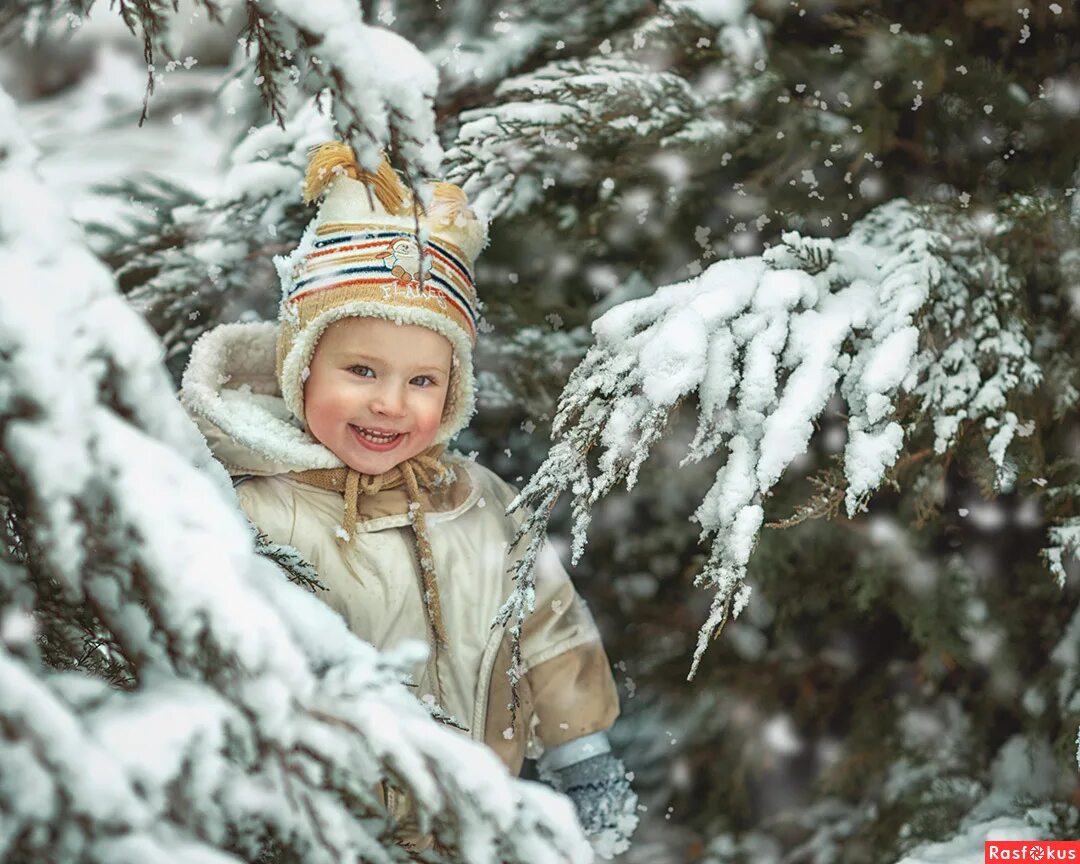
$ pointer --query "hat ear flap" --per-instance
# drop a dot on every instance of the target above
(326, 161)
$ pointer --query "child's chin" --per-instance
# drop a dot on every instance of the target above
(372, 466)
(376, 463)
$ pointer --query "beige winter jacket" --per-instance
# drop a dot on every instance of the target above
(567, 689)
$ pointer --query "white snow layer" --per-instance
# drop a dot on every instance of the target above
(255, 711)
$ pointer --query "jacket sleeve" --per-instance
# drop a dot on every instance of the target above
(568, 672)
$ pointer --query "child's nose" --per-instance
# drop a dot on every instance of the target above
(389, 401)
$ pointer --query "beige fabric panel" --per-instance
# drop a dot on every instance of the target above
(573, 694)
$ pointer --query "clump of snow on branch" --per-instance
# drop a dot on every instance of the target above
(253, 715)
(1064, 542)
(763, 343)
(383, 83)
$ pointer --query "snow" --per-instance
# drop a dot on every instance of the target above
(968, 846)
(740, 34)
(890, 361)
(716, 12)
(744, 531)
(84, 146)
(1025, 769)
(379, 70)
(866, 458)
(673, 360)
(1064, 542)
(780, 736)
(1002, 438)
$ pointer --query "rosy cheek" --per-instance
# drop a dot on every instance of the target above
(433, 416)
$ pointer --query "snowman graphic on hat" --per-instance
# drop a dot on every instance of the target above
(402, 258)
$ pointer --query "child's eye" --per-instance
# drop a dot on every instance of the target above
(362, 371)
(423, 381)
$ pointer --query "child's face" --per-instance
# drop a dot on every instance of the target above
(376, 391)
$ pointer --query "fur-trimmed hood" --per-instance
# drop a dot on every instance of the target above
(230, 389)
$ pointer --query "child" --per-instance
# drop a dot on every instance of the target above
(333, 424)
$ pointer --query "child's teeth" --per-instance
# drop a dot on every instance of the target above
(378, 436)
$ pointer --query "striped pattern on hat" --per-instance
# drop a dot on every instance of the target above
(368, 256)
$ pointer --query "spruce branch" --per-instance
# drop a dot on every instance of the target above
(825, 503)
(347, 59)
(580, 107)
(479, 53)
(296, 569)
(270, 50)
(763, 343)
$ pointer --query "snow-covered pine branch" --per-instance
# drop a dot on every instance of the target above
(579, 106)
(961, 793)
(912, 322)
(383, 87)
(253, 716)
(549, 126)
(1064, 543)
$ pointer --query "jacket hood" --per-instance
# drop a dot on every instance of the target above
(230, 389)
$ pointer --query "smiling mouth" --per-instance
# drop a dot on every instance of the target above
(376, 440)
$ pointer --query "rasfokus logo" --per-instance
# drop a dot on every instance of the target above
(1034, 851)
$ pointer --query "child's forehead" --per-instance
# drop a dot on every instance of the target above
(387, 340)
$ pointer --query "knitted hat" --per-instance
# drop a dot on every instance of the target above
(372, 250)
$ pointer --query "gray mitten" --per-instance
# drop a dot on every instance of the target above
(606, 804)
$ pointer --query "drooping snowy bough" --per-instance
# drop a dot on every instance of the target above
(911, 317)
(242, 716)
(382, 82)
